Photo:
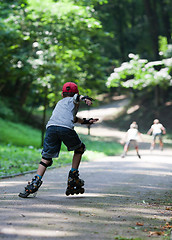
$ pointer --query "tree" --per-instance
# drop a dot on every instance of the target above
(151, 6)
(141, 75)
(59, 41)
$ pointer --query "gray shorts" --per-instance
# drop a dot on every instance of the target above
(134, 142)
(54, 137)
(159, 135)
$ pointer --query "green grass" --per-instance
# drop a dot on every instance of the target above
(126, 238)
(102, 145)
(16, 160)
(20, 149)
(19, 134)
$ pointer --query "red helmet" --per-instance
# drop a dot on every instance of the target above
(70, 87)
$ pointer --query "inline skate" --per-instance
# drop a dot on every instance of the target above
(74, 184)
(31, 188)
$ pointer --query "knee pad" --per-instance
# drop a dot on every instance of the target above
(50, 162)
(80, 150)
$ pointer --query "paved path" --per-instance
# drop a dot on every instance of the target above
(121, 195)
(124, 198)
(106, 111)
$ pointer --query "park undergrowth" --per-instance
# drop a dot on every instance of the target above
(20, 149)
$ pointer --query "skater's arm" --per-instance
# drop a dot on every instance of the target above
(85, 121)
(150, 131)
(163, 130)
(141, 136)
(78, 98)
(124, 140)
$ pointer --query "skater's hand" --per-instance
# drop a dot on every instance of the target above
(88, 102)
(122, 142)
(163, 132)
(91, 121)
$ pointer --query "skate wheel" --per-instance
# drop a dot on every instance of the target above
(82, 190)
(24, 194)
(67, 192)
(34, 194)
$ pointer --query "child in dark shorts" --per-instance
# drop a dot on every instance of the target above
(60, 128)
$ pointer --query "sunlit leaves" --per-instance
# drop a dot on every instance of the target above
(139, 73)
(49, 38)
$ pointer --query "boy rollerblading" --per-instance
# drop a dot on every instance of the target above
(60, 128)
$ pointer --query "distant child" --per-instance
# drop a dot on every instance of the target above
(132, 137)
(157, 129)
(60, 128)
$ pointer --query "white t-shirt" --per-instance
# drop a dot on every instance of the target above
(156, 128)
(132, 134)
(64, 113)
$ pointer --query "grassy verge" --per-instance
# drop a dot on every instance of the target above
(20, 149)
(19, 134)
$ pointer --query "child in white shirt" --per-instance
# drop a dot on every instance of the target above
(157, 129)
(132, 137)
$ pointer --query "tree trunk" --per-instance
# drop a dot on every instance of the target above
(156, 99)
(24, 93)
(2, 86)
(166, 20)
(17, 87)
(121, 35)
(150, 6)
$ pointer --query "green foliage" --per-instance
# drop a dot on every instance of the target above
(47, 48)
(127, 238)
(163, 44)
(139, 74)
(18, 159)
(20, 152)
(45, 43)
(168, 52)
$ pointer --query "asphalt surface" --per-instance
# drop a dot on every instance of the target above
(124, 198)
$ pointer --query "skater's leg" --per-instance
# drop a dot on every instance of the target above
(77, 157)
(126, 147)
(76, 160)
(74, 173)
(153, 142)
(75, 184)
(36, 182)
(43, 166)
(137, 151)
(152, 145)
(161, 143)
(137, 148)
